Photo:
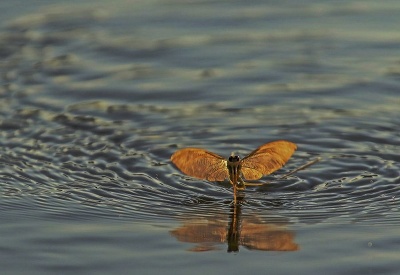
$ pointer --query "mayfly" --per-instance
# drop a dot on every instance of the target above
(262, 161)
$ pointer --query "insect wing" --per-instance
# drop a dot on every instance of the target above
(201, 164)
(266, 159)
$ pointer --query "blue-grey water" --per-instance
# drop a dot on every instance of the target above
(95, 96)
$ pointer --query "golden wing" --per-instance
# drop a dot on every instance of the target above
(201, 164)
(267, 158)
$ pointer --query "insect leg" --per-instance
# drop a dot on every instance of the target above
(234, 194)
(241, 185)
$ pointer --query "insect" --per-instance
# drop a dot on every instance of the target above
(206, 165)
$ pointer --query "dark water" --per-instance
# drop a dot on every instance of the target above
(95, 97)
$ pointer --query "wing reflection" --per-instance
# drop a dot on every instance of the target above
(250, 232)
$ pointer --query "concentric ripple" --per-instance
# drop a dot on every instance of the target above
(89, 120)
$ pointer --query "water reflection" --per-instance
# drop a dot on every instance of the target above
(248, 231)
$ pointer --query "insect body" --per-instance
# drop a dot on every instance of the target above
(206, 165)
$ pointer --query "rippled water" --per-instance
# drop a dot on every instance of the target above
(96, 97)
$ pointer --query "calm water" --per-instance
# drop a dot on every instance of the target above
(95, 97)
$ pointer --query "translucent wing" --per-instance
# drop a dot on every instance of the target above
(201, 164)
(267, 158)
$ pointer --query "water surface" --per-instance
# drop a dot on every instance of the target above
(95, 97)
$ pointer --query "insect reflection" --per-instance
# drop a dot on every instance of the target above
(249, 231)
(206, 165)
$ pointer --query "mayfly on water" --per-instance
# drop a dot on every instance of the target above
(262, 161)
